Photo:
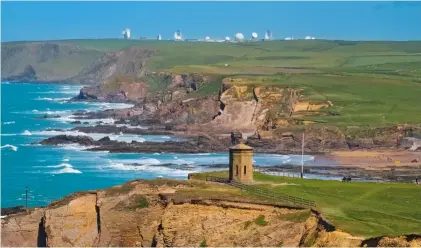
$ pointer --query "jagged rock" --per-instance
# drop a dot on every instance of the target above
(73, 223)
(12, 210)
(111, 129)
(24, 229)
(68, 139)
(48, 116)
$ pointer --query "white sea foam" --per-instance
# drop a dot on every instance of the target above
(130, 126)
(109, 105)
(65, 168)
(26, 133)
(69, 92)
(160, 170)
(14, 148)
(54, 132)
(52, 99)
(75, 147)
(8, 122)
(71, 118)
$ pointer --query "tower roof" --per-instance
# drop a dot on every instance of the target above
(241, 146)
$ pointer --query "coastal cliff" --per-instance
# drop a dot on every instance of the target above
(161, 213)
(62, 62)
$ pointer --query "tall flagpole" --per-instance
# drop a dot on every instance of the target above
(302, 157)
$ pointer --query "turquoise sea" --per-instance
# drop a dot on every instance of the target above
(53, 172)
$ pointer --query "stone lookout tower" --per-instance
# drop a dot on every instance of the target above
(241, 163)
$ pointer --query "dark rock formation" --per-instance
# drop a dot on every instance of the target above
(67, 139)
(116, 130)
(12, 210)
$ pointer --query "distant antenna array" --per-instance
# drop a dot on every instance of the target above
(238, 37)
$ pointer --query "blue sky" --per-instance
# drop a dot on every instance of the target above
(329, 20)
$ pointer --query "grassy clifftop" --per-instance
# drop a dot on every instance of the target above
(366, 209)
(266, 57)
(368, 82)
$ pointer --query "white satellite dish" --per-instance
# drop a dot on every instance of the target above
(227, 38)
(239, 36)
(254, 35)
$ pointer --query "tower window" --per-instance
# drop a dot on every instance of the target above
(245, 170)
(236, 167)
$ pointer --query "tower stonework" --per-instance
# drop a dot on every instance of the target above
(241, 163)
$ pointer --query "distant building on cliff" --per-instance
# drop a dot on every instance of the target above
(178, 36)
(126, 33)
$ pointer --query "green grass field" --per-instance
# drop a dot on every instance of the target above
(366, 209)
(370, 83)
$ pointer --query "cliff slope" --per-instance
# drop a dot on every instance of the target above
(162, 213)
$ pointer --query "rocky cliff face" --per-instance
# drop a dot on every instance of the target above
(163, 213)
(150, 214)
(119, 92)
(41, 61)
(262, 107)
(129, 62)
(63, 62)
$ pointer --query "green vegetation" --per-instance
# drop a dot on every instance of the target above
(297, 217)
(265, 57)
(357, 99)
(369, 83)
(125, 188)
(366, 209)
(203, 243)
(260, 221)
(139, 201)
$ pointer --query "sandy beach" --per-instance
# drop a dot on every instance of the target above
(376, 158)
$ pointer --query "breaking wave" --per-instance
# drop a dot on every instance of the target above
(26, 133)
(149, 168)
(8, 122)
(65, 168)
(14, 148)
(52, 99)
(75, 147)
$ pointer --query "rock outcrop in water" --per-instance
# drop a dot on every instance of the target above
(199, 144)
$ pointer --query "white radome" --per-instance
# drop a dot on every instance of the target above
(227, 38)
(239, 36)
(207, 38)
(254, 35)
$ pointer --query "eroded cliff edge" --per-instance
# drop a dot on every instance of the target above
(175, 213)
